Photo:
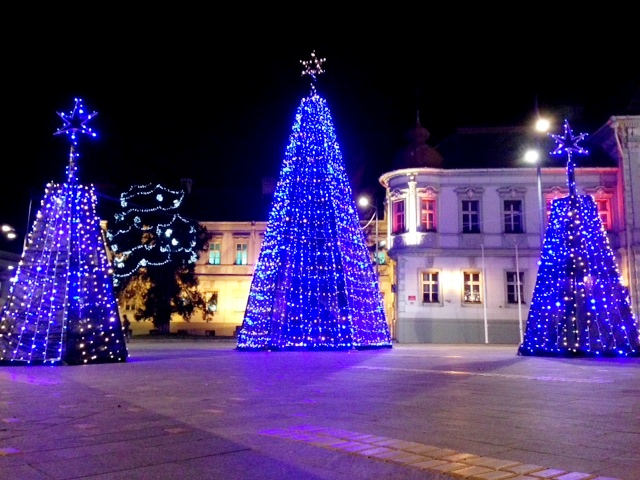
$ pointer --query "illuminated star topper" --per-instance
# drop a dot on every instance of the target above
(76, 122)
(313, 67)
(568, 143)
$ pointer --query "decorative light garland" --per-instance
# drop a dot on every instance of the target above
(139, 202)
(314, 286)
(580, 306)
(61, 307)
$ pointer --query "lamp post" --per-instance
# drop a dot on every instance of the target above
(9, 232)
(365, 202)
(533, 156)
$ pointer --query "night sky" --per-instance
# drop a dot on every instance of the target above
(216, 101)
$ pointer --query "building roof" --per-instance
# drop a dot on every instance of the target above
(418, 153)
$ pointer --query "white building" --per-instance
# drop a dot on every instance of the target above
(464, 239)
(440, 283)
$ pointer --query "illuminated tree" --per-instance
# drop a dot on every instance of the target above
(314, 286)
(154, 246)
(62, 307)
(579, 306)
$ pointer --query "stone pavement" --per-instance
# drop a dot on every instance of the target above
(199, 409)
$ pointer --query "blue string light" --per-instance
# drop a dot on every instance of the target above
(580, 306)
(62, 308)
(314, 286)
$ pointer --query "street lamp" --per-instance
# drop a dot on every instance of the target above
(364, 202)
(9, 232)
(533, 156)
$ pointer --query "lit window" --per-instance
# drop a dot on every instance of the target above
(470, 216)
(512, 287)
(430, 287)
(604, 210)
(242, 253)
(428, 214)
(512, 216)
(398, 216)
(472, 287)
(382, 257)
(215, 253)
(548, 203)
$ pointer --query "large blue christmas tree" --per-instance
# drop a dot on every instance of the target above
(580, 306)
(62, 308)
(314, 285)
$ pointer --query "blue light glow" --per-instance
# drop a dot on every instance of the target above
(314, 285)
(62, 308)
(580, 306)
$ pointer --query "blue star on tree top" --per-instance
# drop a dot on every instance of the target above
(76, 122)
(567, 143)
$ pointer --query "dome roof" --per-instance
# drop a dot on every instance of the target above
(417, 153)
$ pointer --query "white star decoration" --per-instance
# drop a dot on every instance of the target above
(568, 143)
(313, 67)
(76, 122)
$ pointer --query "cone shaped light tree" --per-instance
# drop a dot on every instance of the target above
(314, 286)
(580, 306)
(61, 307)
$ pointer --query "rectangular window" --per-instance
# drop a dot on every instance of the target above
(548, 202)
(382, 257)
(604, 210)
(513, 282)
(215, 253)
(512, 216)
(430, 287)
(428, 214)
(398, 216)
(242, 257)
(470, 216)
(472, 287)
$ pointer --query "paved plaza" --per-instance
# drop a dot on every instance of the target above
(200, 409)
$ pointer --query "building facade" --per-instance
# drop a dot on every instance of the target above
(466, 242)
(225, 273)
(459, 247)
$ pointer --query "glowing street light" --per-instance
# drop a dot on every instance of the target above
(9, 232)
(533, 156)
(364, 202)
(543, 125)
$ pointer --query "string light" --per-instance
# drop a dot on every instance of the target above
(76, 122)
(579, 305)
(62, 307)
(314, 286)
(131, 254)
(313, 68)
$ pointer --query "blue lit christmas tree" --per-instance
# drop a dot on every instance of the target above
(314, 286)
(579, 306)
(62, 308)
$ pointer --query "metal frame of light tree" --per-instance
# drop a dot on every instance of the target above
(314, 286)
(580, 306)
(62, 308)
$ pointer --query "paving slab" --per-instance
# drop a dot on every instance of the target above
(202, 409)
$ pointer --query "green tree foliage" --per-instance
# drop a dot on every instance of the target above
(155, 250)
